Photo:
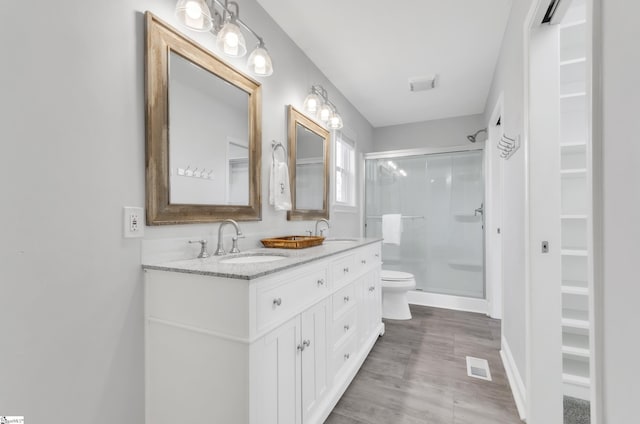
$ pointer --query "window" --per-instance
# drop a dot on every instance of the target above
(345, 171)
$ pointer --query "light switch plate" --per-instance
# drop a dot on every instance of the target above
(133, 222)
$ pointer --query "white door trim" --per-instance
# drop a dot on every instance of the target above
(493, 215)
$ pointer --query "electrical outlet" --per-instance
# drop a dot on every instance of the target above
(133, 220)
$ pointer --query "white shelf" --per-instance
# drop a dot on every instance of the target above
(465, 265)
(572, 173)
(574, 145)
(574, 252)
(573, 318)
(576, 290)
(573, 95)
(575, 371)
(575, 345)
(573, 216)
(573, 61)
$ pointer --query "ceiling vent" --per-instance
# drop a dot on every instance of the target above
(423, 83)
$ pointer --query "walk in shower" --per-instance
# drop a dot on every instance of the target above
(440, 199)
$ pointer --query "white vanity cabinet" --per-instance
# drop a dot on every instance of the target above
(278, 349)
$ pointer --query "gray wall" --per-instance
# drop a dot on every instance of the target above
(621, 160)
(438, 133)
(72, 119)
(508, 80)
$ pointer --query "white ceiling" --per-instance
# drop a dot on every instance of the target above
(369, 50)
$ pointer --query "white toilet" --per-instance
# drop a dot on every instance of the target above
(395, 285)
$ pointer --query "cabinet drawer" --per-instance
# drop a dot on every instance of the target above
(341, 270)
(368, 257)
(344, 355)
(343, 299)
(278, 303)
(344, 327)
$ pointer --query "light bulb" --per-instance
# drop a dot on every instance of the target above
(312, 104)
(193, 10)
(231, 41)
(194, 14)
(325, 112)
(259, 62)
(335, 122)
(260, 65)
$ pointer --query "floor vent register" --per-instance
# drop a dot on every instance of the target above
(478, 368)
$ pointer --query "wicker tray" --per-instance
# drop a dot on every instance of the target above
(292, 242)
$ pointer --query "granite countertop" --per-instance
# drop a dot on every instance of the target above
(248, 271)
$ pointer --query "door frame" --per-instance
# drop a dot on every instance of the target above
(494, 189)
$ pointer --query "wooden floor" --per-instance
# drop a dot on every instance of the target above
(416, 373)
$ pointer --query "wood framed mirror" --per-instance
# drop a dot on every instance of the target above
(203, 137)
(308, 167)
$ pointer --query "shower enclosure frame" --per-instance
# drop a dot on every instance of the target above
(424, 298)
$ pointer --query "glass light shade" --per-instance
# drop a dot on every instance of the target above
(325, 113)
(231, 41)
(312, 104)
(335, 122)
(194, 14)
(259, 62)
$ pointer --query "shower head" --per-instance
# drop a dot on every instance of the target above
(472, 138)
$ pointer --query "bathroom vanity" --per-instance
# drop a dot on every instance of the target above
(260, 342)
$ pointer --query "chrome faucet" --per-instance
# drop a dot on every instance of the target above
(318, 222)
(234, 248)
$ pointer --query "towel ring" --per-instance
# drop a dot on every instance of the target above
(274, 146)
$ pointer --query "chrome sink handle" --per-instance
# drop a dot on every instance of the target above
(203, 248)
(234, 246)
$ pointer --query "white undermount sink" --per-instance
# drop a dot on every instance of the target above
(252, 259)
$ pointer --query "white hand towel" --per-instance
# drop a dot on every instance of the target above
(279, 190)
(392, 228)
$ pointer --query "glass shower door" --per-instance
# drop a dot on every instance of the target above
(440, 198)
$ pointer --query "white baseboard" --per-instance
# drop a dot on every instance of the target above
(515, 380)
(458, 303)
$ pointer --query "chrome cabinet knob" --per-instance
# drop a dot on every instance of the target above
(372, 288)
(346, 299)
(346, 327)
(347, 356)
(301, 347)
(345, 270)
(321, 282)
(306, 343)
(377, 255)
(364, 261)
(277, 301)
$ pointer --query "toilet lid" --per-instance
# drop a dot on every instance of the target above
(390, 275)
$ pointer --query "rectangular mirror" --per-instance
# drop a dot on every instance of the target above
(308, 167)
(203, 133)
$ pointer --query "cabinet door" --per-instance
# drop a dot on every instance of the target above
(278, 362)
(314, 356)
(372, 302)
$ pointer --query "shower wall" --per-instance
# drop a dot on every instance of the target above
(442, 236)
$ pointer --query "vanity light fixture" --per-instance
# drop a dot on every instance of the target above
(317, 105)
(225, 23)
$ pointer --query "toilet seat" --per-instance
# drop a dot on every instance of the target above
(389, 275)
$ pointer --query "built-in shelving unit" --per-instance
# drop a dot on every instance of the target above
(575, 210)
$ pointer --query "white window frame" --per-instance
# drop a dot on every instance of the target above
(349, 172)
